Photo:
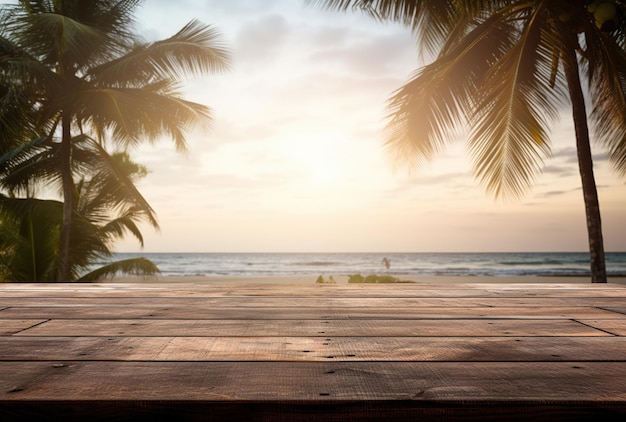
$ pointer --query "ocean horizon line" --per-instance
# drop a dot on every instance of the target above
(346, 263)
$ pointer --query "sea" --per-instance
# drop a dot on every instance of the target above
(445, 264)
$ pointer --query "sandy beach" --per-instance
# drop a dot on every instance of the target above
(340, 279)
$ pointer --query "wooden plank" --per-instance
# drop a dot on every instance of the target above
(314, 381)
(318, 411)
(301, 302)
(326, 313)
(312, 328)
(211, 289)
(308, 349)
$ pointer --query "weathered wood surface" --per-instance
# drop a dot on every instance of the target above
(220, 351)
(312, 327)
(252, 312)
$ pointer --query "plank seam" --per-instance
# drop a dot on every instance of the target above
(610, 310)
(596, 328)
(32, 326)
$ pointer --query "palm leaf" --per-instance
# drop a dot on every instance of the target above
(29, 227)
(434, 105)
(117, 227)
(111, 180)
(148, 112)
(26, 149)
(606, 68)
(76, 33)
(431, 20)
(134, 266)
(509, 138)
(16, 111)
(51, 34)
(195, 49)
(29, 165)
(21, 66)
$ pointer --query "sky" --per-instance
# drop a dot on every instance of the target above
(294, 160)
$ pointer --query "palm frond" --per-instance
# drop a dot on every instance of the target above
(23, 69)
(16, 112)
(144, 113)
(75, 32)
(24, 149)
(134, 266)
(431, 20)
(606, 68)
(110, 188)
(29, 165)
(422, 115)
(114, 18)
(434, 105)
(117, 227)
(87, 246)
(29, 226)
(195, 49)
(57, 38)
(509, 139)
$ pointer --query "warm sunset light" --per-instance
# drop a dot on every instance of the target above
(295, 158)
(302, 112)
(293, 210)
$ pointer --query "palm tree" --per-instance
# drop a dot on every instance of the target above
(503, 69)
(107, 207)
(86, 74)
(29, 231)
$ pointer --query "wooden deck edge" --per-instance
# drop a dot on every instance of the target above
(319, 410)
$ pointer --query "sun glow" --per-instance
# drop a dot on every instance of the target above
(318, 158)
(323, 175)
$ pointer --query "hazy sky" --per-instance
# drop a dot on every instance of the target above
(294, 161)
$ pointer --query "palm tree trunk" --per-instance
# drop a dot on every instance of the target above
(68, 200)
(585, 167)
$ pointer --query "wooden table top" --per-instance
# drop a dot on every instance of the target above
(246, 351)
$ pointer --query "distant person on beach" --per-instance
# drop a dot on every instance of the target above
(386, 262)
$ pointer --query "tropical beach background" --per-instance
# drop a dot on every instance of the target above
(290, 155)
(295, 161)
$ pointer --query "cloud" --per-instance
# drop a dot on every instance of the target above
(567, 154)
(418, 186)
(237, 7)
(261, 41)
(559, 170)
(601, 157)
(357, 53)
(553, 193)
(570, 155)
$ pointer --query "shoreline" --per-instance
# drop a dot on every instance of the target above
(343, 279)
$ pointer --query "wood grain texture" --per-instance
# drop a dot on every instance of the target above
(313, 302)
(313, 381)
(308, 349)
(319, 328)
(128, 311)
(227, 351)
